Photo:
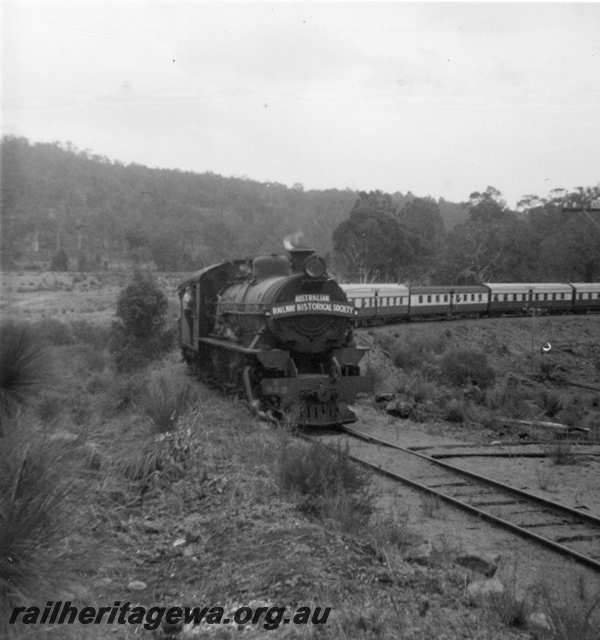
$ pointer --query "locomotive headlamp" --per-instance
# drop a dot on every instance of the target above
(314, 267)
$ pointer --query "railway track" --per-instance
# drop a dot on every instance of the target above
(565, 530)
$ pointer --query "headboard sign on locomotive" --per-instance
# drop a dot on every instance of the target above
(281, 329)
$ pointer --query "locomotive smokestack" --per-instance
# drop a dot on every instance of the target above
(298, 256)
(298, 253)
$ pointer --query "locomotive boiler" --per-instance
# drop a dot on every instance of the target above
(280, 329)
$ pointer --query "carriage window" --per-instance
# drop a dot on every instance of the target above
(537, 296)
(445, 297)
(495, 297)
(420, 299)
(545, 296)
(437, 298)
(553, 296)
(581, 296)
(505, 297)
(428, 298)
(515, 297)
(479, 297)
(472, 297)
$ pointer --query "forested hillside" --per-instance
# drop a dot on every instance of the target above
(382, 241)
(68, 209)
(102, 213)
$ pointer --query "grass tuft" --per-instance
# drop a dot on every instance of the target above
(164, 402)
(325, 482)
(33, 496)
(22, 367)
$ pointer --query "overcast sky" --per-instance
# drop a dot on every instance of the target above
(441, 99)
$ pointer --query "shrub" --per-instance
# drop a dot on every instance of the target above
(22, 367)
(548, 368)
(142, 307)
(325, 481)
(572, 414)
(551, 402)
(455, 411)
(463, 366)
(138, 338)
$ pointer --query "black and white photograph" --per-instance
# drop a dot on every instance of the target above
(299, 320)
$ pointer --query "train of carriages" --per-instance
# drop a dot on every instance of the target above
(378, 303)
(279, 329)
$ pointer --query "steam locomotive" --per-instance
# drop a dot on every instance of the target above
(280, 329)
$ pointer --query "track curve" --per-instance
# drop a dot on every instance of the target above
(565, 530)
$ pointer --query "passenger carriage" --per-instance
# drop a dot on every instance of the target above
(450, 301)
(586, 296)
(520, 297)
(378, 302)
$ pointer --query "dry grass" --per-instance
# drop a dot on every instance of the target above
(35, 487)
(576, 617)
(509, 607)
(324, 482)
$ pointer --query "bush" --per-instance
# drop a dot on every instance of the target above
(551, 402)
(22, 367)
(139, 337)
(325, 481)
(463, 366)
(142, 307)
(455, 411)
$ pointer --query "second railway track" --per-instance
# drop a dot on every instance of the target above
(565, 530)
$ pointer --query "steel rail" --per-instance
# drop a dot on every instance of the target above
(484, 515)
(501, 485)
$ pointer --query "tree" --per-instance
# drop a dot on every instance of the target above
(370, 245)
(60, 262)
(422, 223)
